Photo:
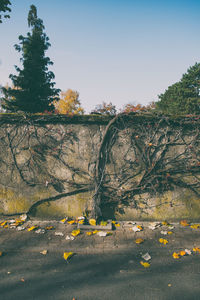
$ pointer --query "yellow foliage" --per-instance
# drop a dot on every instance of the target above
(69, 103)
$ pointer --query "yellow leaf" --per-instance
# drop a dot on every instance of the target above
(49, 227)
(81, 221)
(3, 223)
(1, 253)
(163, 241)
(71, 222)
(92, 222)
(68, 255)
(176, 255)
(75, 232)
(182, 253)
(195, 226)
(63, 220)
(169, 232)
(184, 223)
(95, 231)
(32, 228)
(196, 249)
(89, 233)
(103, 223)
(140, 227)
(145, 264)
(117, 225)
(139, 241)
(165, 223)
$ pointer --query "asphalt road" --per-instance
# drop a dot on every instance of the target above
(30, 275)
(103, 268)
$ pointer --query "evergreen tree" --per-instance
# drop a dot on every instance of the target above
(4, 9)
(182, 97)
(32, 89)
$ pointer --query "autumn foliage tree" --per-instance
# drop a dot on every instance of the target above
(69, 103)
(138, 107)
(105, 109)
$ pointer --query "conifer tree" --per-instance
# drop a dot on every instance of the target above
(33, 90)
(4, 9)
(182, 97)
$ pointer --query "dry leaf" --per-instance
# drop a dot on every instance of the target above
(71, 222)
(195, 226)
(145, 264)
(139, 241)
(165, 223)
(182, 253)
(163, 241)
(1, 253)
(140, 227)
(95, 231)
(146, 256)
(75, 232)
(184, 223)
(169, 232)
(89, 233)
(49, 227)
(176, 255)
(44, 252)
(196, 249)
(103, 223)
(92, 222)
(63, 221)
(32, 228)
(68, 255)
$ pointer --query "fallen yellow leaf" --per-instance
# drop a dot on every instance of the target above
(196, 249)
(165, 223)
(163, 241)
(92, 222)
(169, 232)
(81, 221)
(195, 226)
(95, 231)
(63, 220)
(68, 255)
(49, 227)
(71, 222)
(145, 264)
(176, 255)
(89, 233)
(139, 241)
(182, 253)
(75, 232)
(32, 228)
(184, 223)
(3, 223)
(1, 253)
(140, 227)
(103, 223)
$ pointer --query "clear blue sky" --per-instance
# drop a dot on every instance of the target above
(110, 50)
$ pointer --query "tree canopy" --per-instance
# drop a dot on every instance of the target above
(4, 9)
(182, 97)
(33, 90)
(69, 103)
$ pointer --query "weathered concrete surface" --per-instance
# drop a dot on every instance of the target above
(42, 158)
